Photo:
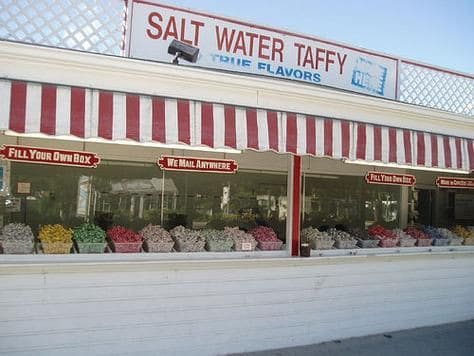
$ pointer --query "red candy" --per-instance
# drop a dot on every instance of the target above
(416, 233)
(262, 233)
(381, 233)
(121, 234)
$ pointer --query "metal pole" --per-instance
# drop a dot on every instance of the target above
(162, 197)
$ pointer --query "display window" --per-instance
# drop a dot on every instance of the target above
(349, 202)
(443, 207)
(350, 212)
(131, 206)
(126, 201)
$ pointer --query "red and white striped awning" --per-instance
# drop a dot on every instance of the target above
(89, 113)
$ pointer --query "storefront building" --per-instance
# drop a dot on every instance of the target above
(241, 166)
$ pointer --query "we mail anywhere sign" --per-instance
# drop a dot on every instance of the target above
(236, 46)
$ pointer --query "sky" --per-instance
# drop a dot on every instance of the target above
(436, 32)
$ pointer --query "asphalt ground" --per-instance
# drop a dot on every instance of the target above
(455, 339)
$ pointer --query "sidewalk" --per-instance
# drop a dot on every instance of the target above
(455, 339)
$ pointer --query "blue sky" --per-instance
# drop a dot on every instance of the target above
(437, 32)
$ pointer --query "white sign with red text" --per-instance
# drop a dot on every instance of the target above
(455, 182)
(390, 178)
(236, 46)
(49, 156)
(195, 164)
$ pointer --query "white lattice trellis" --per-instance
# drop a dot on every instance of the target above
(88, 25)
(436, 89)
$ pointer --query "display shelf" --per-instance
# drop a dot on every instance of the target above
(361, 252)
(172, 257)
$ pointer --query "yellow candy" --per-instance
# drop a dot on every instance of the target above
(55, 233)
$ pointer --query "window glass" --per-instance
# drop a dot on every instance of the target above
(243, 199)
(349, 201)
(134, 195)
(455, 207)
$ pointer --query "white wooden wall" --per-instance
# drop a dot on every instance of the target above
(218, 307)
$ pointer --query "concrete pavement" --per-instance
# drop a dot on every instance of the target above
(455, 339)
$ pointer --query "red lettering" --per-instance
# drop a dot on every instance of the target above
(171, 29)
(183, 32)
(300, 47)
(308, 58)
(263, 46)
(341, 62)
(252, 37)
(328, 59)
(155, 25)
(318, 57)
(245, 43)
(223, 39)
(197, 26)
(277, 47)
(240, 43)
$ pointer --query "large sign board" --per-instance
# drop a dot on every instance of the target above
(232, 45)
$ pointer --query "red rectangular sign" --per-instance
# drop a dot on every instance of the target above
(390, 178)
(194, 164)
(454, 182)
(49, 156)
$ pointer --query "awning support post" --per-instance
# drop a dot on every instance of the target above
(295, 205)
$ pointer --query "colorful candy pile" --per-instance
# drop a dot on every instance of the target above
(55, 233)
(399, 233)
(242, 240)
(121, 234)
(89, 233)
(364, 240)
(55, 239)
(404, 239)
(17, 239)
(311, 234)
(263, 233)
(187, 240)
(155, 233)
(451, 236)
(433, 232)
(217, 240)
(381, 233)
(446, 233)
(417, 233)
(339, 235)
(463, 232)
(360, 234)
(17, 232)
(386, 237)
(319, 240)
(266, 238)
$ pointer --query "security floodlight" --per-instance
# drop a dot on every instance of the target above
(183, 50)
